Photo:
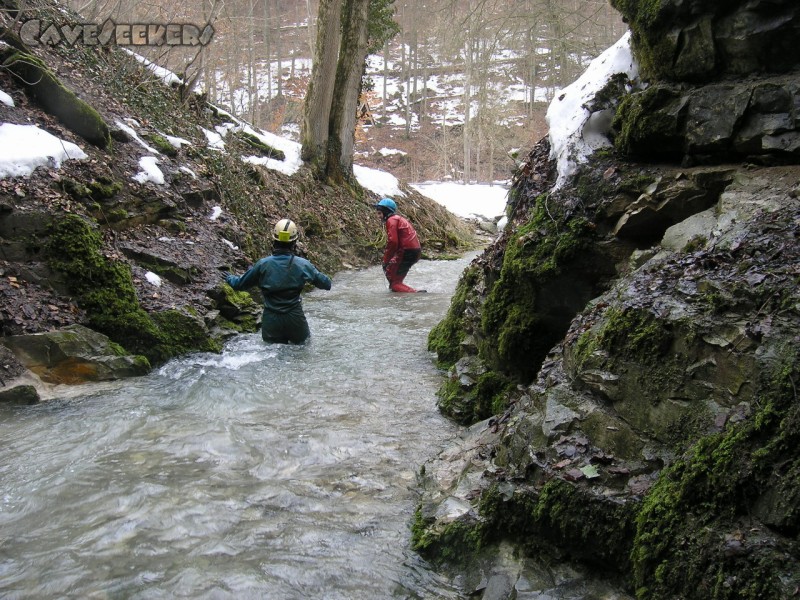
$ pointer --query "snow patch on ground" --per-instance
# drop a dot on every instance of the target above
(575, 132)
(25, 147)
(468, 201)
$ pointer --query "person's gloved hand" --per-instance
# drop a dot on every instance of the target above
(230, 278)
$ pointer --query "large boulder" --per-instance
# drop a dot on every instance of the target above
(73, 355)
(692, 347)
(700, 40)
(753, 119)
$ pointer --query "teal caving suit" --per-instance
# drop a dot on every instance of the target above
(281, 278)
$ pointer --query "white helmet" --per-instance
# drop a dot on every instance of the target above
(285, 231)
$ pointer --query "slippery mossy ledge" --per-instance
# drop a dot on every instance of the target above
(456, 542)
(556, 518)
(104, 289)
(519, 326)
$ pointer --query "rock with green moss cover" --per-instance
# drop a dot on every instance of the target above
(25, 394)
(104, 289)
(711, 123)
(51, 94)
(75, 354)
(264, 149)
(161, 144)
(697, 41)
(658, 440)
(237, 310)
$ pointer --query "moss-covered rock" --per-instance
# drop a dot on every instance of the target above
(183, 332)
(695, 535)
(238, 309)
(19, 394)
(651, 122)
(51, 94)
(161, 144)
(74, 355)
(259, 145)
(468, 401)
(96, 190)
(446, 337)
(454, 542)
(520, 320)
(104, 289)
(563, 516)
(697, 41)
(658, 440)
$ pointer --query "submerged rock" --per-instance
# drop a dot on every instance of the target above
(19, 394)
(74, 354)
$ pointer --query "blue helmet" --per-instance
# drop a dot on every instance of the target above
(388, 204)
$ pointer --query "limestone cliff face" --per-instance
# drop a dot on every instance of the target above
(631, 339)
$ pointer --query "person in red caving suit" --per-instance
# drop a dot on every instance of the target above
(402, 247)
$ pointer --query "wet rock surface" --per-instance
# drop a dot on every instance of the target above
(654, 438)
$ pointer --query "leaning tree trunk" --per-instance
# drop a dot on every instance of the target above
(344, 106)
(317, 107)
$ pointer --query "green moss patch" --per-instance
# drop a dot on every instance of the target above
(558, 519)
(455, 542)
(104, 289)
(259, 145)
(183, 333)
(102, 188)
(48, 91)
(696, 534)
(445, 338)
(627, 333)
(648, 124)
(161, 144)
(487, 397)
(518, 332)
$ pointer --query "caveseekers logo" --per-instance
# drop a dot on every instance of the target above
(35, 31)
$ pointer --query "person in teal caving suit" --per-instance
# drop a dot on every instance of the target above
(281, 278)
(402, 246)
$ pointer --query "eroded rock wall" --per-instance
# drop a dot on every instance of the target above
(655, 437)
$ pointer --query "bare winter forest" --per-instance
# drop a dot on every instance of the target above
(452, 96)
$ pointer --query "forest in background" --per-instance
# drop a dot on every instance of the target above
(461, 88)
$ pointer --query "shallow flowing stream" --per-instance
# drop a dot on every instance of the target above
(266, 471)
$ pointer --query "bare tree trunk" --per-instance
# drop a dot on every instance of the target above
(413, 53)
(467, 99)
(423, 109)
(252, 86)
(268, 46)
(385, 78)
(278, 51)
(317, 107)
(445, 165)
(405, 60)
(312, 33)
(344, 106)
